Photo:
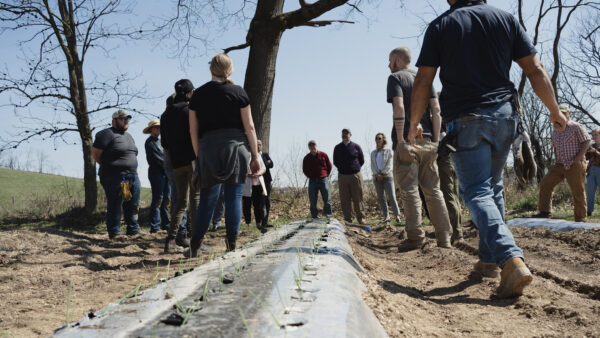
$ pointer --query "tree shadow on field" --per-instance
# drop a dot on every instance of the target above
(393, 287)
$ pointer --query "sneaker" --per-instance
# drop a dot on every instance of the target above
(486, 269)
(398, 221)
(515, 276)
(215, 226)
(153, 231)
(542, 214)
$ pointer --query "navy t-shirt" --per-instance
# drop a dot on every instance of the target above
(119, 156)
(400, 84)
(217, 106)
(474, 46)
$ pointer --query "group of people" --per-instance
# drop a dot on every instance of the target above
(206, 162)
(473, 45)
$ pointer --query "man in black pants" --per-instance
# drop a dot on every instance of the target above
(268, 180)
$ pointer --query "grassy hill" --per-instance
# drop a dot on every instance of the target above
(33, 196)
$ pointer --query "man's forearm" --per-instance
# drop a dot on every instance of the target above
(542, 86)
(399, 118)
(421, 92)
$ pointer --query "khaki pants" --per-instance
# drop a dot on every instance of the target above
(575, 176)
(186, 189)
(414, 168)
(449, 187)
(351, 192)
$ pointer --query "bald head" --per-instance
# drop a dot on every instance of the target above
(399, 58)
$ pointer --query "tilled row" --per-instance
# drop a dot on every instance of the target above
(298, 280)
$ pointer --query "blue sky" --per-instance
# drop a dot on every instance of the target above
(327, 79)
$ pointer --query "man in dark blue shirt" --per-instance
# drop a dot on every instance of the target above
(348, 158)
(474, 45)
(115, 151)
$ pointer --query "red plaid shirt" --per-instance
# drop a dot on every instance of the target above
(567, 144)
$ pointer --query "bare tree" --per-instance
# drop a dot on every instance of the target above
(50, 94)
(267, 25)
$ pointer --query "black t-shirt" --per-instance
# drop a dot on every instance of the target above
(119, 156)
(400, 84)
(217, 106)
(474, 46)
(175, 134)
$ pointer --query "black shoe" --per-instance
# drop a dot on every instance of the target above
(169, 244)
(230, 244)
(192, 251)
(182, 241)
(153, 231)
(542, 214)
(589, 214)
(115, 236)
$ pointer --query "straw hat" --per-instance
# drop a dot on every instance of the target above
(153, 123)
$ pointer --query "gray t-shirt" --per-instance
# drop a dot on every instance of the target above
(400, 84)
(119, 156)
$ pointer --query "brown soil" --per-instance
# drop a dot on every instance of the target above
(37, 268)
(429, 292)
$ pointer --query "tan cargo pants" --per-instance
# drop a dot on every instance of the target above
(575, 176)
(417, 167)
(351, 193)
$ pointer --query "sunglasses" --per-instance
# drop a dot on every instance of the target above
(124, 118)
(378, 138)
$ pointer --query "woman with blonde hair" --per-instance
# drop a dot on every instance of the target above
(383, 179)
(224, 140)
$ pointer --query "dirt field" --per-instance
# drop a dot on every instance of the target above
(429, 292)
(37, 268)
(425, 292)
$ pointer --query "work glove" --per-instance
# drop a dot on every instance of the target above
(125, 190)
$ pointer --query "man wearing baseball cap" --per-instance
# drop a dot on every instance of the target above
(570, 146)
(159, 207)
(114, 149)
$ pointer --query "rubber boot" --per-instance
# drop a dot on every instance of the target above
(515, 276)
(486, 269)
(169, 244)
(230, 244)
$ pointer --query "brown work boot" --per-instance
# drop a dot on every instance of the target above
(515, 276)
(192, 250)
(486, 269)
(409, 245)
(182, 240)
(443, 239)
(169, 244)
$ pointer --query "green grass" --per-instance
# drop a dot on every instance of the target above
(31, 200)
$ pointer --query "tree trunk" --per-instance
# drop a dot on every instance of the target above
(538, 156)
(89, 176)
(260, 74)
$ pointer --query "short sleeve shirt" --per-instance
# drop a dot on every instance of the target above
(217, 106)
(567, 143)
(474, 46)
(400, 84)
(119, 156)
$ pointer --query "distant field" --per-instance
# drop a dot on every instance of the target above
(44, 195)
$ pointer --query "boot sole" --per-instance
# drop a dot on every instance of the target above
(518, 280)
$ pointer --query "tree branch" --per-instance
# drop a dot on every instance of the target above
(323, 23)
(242, 46)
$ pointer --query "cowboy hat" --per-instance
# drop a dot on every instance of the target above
(153, 123)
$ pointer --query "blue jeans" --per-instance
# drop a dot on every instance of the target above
(208, 202)
(592, 182)
(220, 207)
(159, 207)
(114, 202)
(383, 188)
(314, 186)
(483, 143)
(170, 178)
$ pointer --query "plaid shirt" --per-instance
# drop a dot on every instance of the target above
(567, 143)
